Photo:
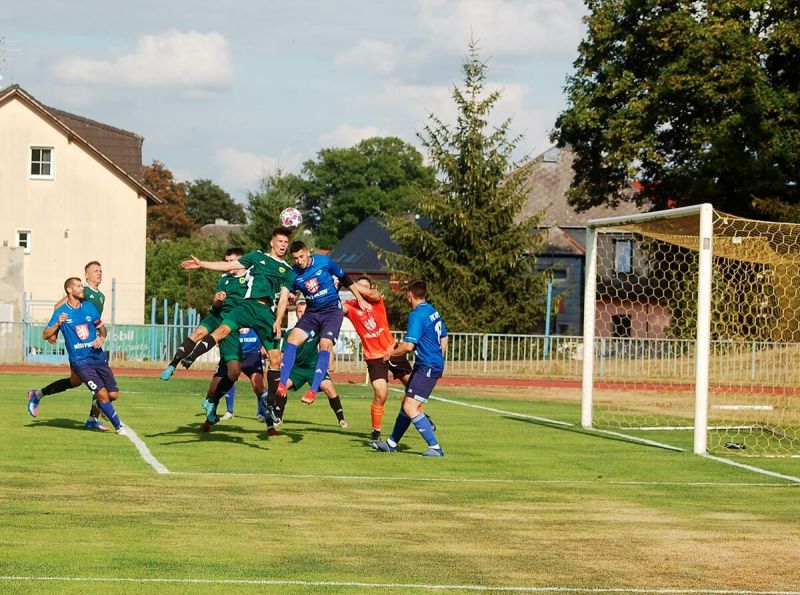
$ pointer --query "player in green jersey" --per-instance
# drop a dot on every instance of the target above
(93, 272)
(269, 278)
(305, 365)
(230, 292)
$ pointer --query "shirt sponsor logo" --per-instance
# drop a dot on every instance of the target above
(82, 330)
(312, 285)
(370, 324)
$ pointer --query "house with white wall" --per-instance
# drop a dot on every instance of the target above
(71, 192)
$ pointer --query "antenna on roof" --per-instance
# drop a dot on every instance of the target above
(4, 51)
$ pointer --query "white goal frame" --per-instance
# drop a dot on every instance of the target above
(703, 331)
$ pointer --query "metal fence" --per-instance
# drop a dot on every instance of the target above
(469, 354)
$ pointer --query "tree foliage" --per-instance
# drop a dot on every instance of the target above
(699, 101)
(164, 278)
(276, 191)
(167, 220)
(206, 202)
(468, 244)
(345, 186)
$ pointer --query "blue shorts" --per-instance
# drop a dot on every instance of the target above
(326, 323)
(251, 364)
(97, 376)
(420, 385)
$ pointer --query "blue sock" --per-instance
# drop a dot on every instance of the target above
(323, 362)
(425, 429)
(229, 398)
(287, 362)
(111, 413)
(400, 426)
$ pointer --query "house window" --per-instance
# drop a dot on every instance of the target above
(24, 240)
(623, 250)
(42, 163)
(559, 274)
(622, 325)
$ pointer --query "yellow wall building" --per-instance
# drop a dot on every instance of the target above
(70, 193)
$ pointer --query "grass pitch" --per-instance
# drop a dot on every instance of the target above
(518, 502)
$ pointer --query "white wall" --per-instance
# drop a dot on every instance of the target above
(85, 213)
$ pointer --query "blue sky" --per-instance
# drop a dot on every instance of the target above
(231, 91)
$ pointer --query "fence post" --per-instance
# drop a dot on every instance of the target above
(485, 352)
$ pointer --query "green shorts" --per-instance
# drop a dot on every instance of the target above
(210, 322)
(301, 376)
(230, 348)
(257, 316)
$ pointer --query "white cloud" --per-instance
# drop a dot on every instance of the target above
(347, 136)
(240, 171)
(513, 27)
(373, 56)
(189, 60)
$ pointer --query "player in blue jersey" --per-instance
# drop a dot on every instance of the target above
(92, 294)
(314, 277)
(427, 337)
(84, 335)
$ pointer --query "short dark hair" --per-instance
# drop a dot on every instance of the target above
(418, 288)
(71, 280)
(237, 250)
(365, 278)
(296, 246)
(88, 264)
(281, 231)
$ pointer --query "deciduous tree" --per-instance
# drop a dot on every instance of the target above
(699, 101)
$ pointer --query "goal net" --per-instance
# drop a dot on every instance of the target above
(692, 323)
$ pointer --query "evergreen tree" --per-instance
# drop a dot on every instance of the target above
(467, 241)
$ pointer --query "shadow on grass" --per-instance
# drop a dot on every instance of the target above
(577, 429)
(59, 422)
(226, 434)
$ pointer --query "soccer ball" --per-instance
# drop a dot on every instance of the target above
(291, 217)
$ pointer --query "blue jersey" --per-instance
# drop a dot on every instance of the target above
(80, 331)
(316, 282)
(249, 340)
(426, 330)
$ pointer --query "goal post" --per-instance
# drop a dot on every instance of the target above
(692, 323)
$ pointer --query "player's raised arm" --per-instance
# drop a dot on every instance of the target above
(280, 311)
(52, 330)
(222, 266)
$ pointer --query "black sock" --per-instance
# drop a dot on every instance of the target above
(223, 387)
(280, 405)
(336, 405)
(182, 351)
(273, 378)
(200, 348)
(59, 386)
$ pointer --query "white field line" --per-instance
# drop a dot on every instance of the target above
(626, 436)
(414, 586)
(555, 422)
(751, 468)
(145, 452)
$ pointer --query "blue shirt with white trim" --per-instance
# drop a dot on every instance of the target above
(316, 282)
(80, 331)
(426, 329)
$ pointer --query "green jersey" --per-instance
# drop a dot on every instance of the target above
(234, 288)
(94, 297)
(266, 276)
(307, 354)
